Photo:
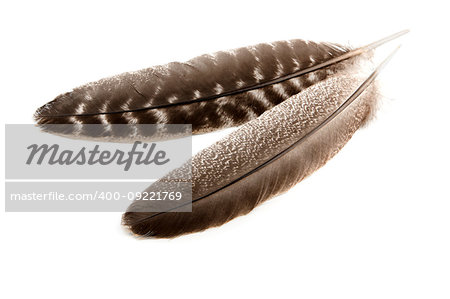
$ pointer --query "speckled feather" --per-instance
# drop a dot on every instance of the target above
(128, 98)
(231, 177)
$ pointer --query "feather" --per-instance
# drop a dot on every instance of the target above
(224, 89)
(264, 157)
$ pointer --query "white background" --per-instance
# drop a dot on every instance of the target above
(373, 223)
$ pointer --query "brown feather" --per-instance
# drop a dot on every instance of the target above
(264, 157)
(220, 90)
(224, 89)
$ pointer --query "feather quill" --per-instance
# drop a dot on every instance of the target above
(214, 91)
(266, 156)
